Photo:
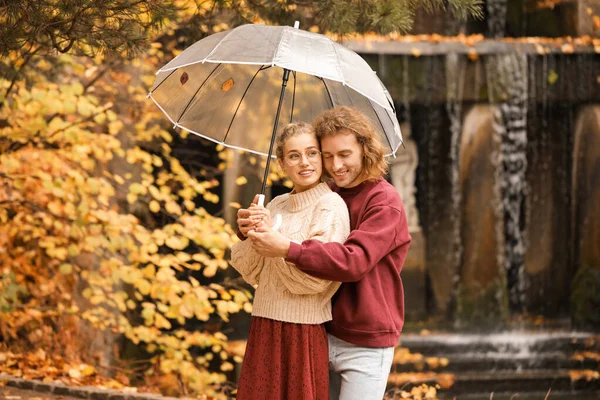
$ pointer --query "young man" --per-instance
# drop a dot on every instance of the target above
(368, 309)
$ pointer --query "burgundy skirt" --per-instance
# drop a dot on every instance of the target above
(285, 361)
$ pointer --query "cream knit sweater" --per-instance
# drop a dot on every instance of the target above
(284, 293)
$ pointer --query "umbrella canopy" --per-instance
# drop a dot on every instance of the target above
(227, 86)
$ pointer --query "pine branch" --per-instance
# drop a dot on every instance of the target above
(463, 9)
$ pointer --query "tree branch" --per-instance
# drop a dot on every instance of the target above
(27, 58)
(36, 207)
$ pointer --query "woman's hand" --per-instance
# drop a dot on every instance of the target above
(261, 217)
(248, 219)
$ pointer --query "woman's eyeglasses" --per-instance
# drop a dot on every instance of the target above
(292, 159)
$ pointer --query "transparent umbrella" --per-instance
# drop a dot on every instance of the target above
(230, 87)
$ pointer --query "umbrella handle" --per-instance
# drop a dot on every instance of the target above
(277, 219)
(277, 223)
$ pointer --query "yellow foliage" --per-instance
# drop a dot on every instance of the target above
(74, 169)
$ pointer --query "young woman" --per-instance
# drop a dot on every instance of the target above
(287, 354)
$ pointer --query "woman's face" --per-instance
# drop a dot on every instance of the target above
(302, 161)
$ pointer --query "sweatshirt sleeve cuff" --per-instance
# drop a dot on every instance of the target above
(294, 253)
(240, 235)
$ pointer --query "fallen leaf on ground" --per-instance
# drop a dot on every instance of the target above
(587, 374)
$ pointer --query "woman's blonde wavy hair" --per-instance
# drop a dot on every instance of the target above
(288, 131)
(343, 118)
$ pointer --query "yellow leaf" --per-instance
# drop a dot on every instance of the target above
(415, 52)
(119, 179)
(77, 88)
(173, 208)
(115, 127)
(241, 180)
(210, 270)
(149, 271)
(148, 314)
(189, 205)
(75, 373)
(161, 322)
(157, 161)
(173, 242)
(87, 370)
(226, 366)
(154, 206)
(143, 286)
(137, 188)
(567, 48)
(65, 269)
(100, 118)
(473, 55)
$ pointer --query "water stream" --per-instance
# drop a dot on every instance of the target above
(455, 83)
(496, 17)
(509, 89)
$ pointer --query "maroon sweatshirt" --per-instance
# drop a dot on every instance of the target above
(368, 309)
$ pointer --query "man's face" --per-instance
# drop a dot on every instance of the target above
(343, 158)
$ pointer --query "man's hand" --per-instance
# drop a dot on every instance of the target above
(269, 243)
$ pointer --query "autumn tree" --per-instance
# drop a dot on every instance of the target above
(101, 226)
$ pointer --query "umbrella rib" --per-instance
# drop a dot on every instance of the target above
(240, 103)
(192, 98)
(383, 128)
(328, 92)
(218, 44)
(172, 72)
(293, 97)
(377, 115)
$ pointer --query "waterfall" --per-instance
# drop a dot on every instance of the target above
(509, 87)
(433, 161)
(455, 78)
(406, 89)
(496, 17)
